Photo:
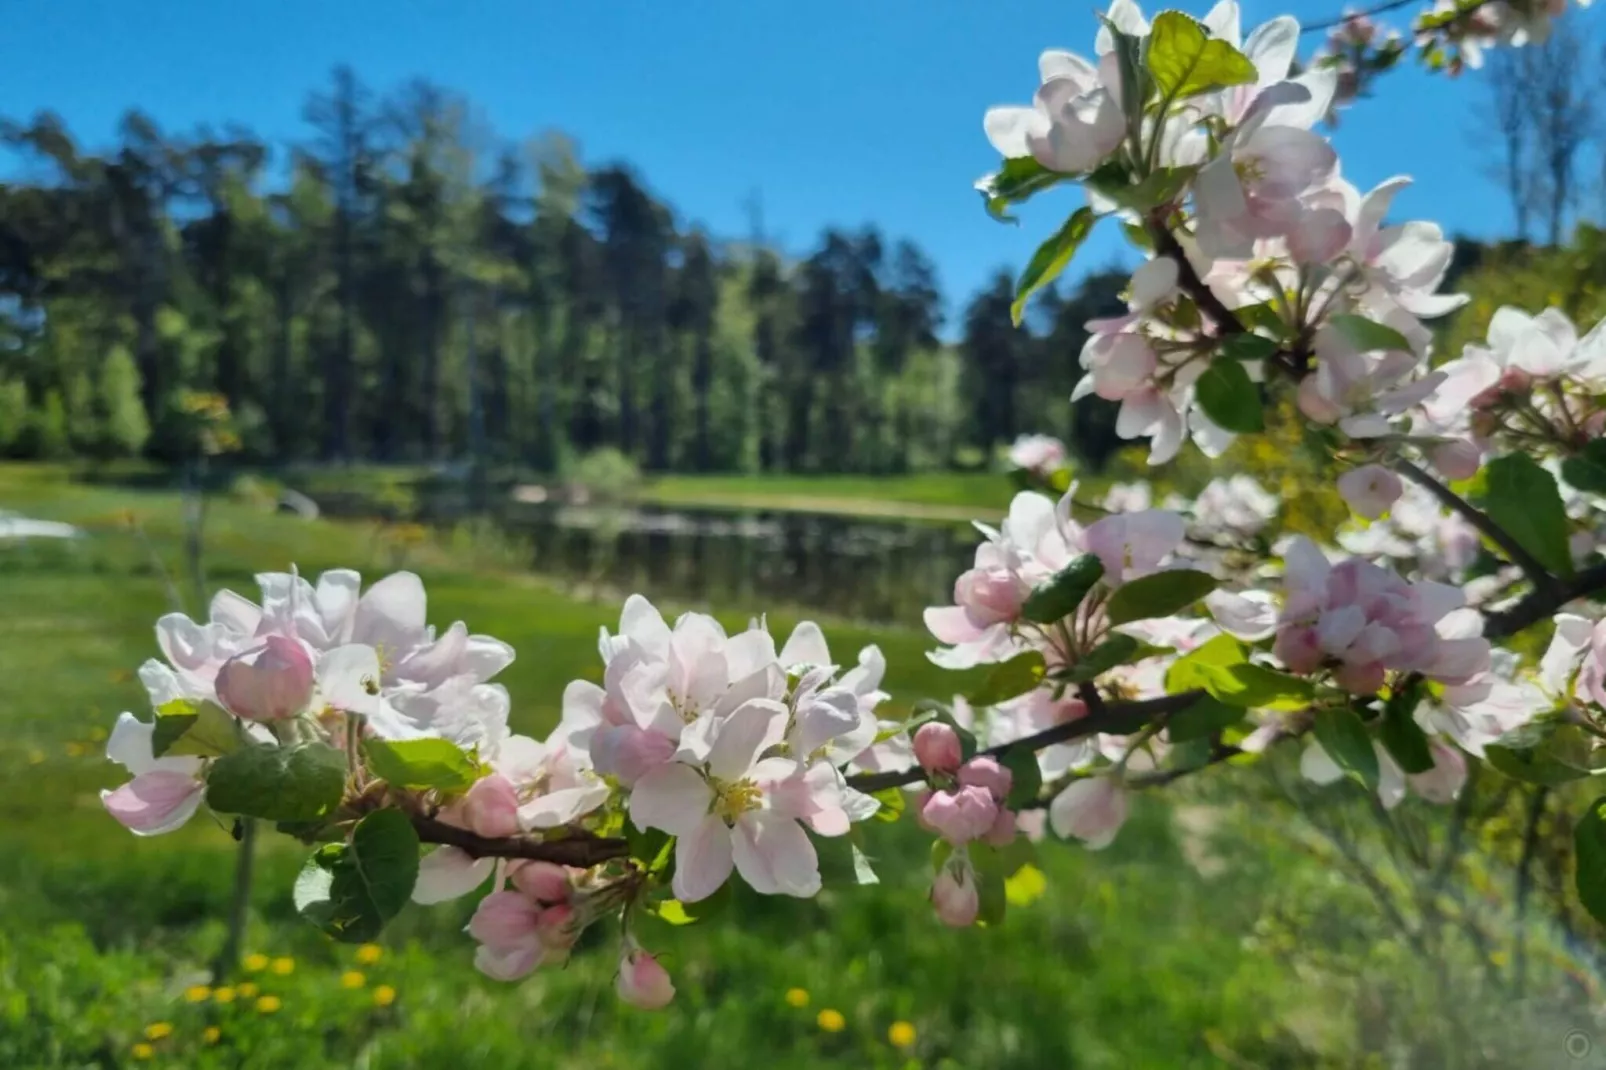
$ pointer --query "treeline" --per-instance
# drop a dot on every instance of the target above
(401, 285)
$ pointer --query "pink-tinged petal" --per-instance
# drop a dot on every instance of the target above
(641, 621)
(1304, 566)
(349, 677)
(1008, 127)
(558, 808)
(1337, 628)
(628, 752)
(235, 613)
(509, 965)
(642, 982)
(582, 711)
(154, 802)
(1091, 810)
(1390, 779)
(738, 738)
(433, 663)
(702, 860)
(1444, 781)
(131, 739)
(449, 873)
(954, 895)
(545, 882)
(1458, 660)
(271, 682)
(672, 797)
(1271, 48)
(951, 624)
(833, 822)
(391, 613)
(505, 920)
(335, 601)
(774, 855)
(1057, 63)
(491, 807)
(749, 652)
(1251, 615)
(485, 657)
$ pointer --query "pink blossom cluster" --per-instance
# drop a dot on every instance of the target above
(1358, 621)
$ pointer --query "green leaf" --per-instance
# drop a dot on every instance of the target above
(1026, 778)
(992, 870)
(1059, 597)
(1344, 738)
(422, 763)
(1159, 595)
(1245, 346)
(1586, 470)
(1193, 671)
(1164, 186)
(1368, 335)
(1542, 754)
(1185, 60)
(1136, 86)
(941, 851)
(1012, 678)
(1589, 853)
(1221, 668)
(1017, 181)
(893, 802)
(1401, 735)
(862, 870)
(674, 912)
(1262, 317)
(1118, 649)
(351, 890)
(650, 847)
(197, 728)
(300, 783)
(1050, 259)
(1524, 500)
(906, 728)
(1202, 720)
(1230, 398)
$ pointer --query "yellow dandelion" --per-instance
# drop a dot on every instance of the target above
(224, 994)
(284, 966)
(211, 1035)
(247, 989)
(75, 750)
(197, 994)
(902, 1034)
(797, 997)
(97, 734)
(384, 996)
(352, 979)
(831, 1021)
(142, 1051)
(269, 1004)
(158, 1030)
(256, 963)
(368, 954)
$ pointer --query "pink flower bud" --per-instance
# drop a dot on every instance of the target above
(505, 921)
(989, 596)
(1002, 834)
(954, 895)
(642, 982)
(491, 807)
(1370, 490)
(545, 882)
(271, 682)
(1456, 460)
(558, 927)
(984, 772)
(1362, 679)
(937, 748)
(960, 816)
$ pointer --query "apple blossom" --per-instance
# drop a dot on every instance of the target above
(642, 981)
(1041, 455)
(1073, 123)
(954, 894)
(269, 682)
(1370, 489)
(936, 748)
(1091, 809)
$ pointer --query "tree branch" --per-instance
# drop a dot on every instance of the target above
(1540, 604)
(1166, 244)
(1120, 718)
(1541, 579)
(579, 851)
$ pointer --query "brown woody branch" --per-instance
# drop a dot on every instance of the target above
(1536, 573)
(581, 851)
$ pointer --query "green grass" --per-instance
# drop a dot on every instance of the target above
(1132, 957)
(934, 495)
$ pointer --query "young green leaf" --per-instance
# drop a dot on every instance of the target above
(421, 764)
(1158, 595)
(1400, 734)
(300, 783)
(195, 728)
(1026, 778)
(1589, 853)
(1015, 182)
(1524, 500)
(893, 801)
(1050, 259)
(1010, 679)
(1185, 61)
(1118, 649)
(1345, 739)
(1586, 470)
(1203, 719)
(1230, 398)
(1244, 346)
(351, 890)
(1059, 597)
(1367, 335)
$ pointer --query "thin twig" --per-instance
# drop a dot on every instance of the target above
(1539, 605)
(579, 851)
(1380, 9)
(1541, 579)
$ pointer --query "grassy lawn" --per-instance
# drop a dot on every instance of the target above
(1131, 958)
(934, 495)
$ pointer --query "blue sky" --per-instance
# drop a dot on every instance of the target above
(835, 111)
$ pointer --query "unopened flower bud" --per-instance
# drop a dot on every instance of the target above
(642, 981)
(1002, 834)
(545, 882)
(984, 772)
(954, 894)
(272, 682)
(491, 807)
(937, 748)
(962, 815)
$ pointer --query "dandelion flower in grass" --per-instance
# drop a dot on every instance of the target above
(211, 1035)
(142, 1051)
(352, 979)
(368, 954)
(269, 1004)
(197, 994)
(284, 966)
(224, 994)
(384, 996)
(75, 750)
(797, 997)
(256, 963)
(247, 989)
(158, 1030)
(902, 1034)
(831, 1021)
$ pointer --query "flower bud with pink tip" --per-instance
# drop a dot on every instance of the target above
(491, 807)
(937, 748)
(545, 882)
(271, 682)
(954, 894)
(984, 772)
(962, 815)
(642, 980)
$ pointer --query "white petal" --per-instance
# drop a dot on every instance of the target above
(774, 855)
(391, 613)
(448, 873)
(702, 860)
(672, 797)
(737, 739)
(348, 678)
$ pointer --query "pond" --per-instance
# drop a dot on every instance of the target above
(867, 569)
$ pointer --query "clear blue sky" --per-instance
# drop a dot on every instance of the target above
(836, 111)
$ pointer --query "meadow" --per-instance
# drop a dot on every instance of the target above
(1186, 944)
